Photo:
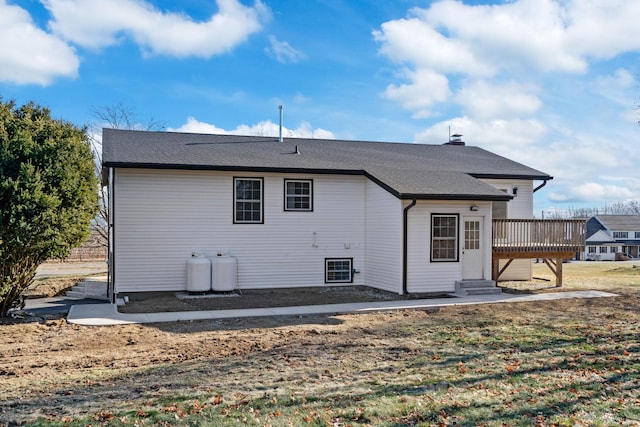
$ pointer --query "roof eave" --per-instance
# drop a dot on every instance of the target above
(178, 166)
(511, 176)
(465, 197)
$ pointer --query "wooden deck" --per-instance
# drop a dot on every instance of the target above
(553, 240)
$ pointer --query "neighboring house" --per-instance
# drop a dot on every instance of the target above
(608, 235)
(404, 218)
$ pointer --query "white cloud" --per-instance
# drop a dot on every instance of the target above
(30, 55)
(432, 87)
(415, 41)
(594, 192)
(99, 23)
(583, 164)
(483, 39)
(517, 34)
(617, 87)
(483, 100)
(194, 126)
(449, 42)
(509, 138)
(264, 128)
(283, 51)
(603, 29)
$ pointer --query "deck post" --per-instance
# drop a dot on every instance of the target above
(559, 272)
(495, 266)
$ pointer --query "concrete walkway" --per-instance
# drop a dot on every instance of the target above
(107, 314)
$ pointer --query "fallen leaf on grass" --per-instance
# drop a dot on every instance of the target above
(103, 416)
(178, 413)
(196, 407)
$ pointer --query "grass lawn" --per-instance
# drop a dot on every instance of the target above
(556, 363)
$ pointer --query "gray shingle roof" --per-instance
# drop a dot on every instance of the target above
(406, 170)
(620, 222)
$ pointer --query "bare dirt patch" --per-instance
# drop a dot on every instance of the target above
(51, 287)
(518, 364)
(182, 301)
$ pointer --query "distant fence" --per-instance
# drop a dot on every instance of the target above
(95, 253)
(94, 249)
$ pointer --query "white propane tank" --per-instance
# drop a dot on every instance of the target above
(224, 273)
(198, 274)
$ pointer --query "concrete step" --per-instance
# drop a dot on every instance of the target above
(475, 284)
(75, 294)
(481, 291)
(90, 288)
(476, 287)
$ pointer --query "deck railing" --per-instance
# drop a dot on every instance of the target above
(538, 235)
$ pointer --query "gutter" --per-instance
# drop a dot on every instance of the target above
(405, 244)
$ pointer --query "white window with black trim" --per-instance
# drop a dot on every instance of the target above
(298, 195)
(444, 238)
(338, 270)
(248, 200)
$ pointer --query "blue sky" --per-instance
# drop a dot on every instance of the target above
(553, 84)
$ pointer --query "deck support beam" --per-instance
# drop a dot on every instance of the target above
(553, 260)
(556, 268)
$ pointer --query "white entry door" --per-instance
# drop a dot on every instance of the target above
(472, 254)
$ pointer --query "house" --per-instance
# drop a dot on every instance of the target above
(404, 218)
(608, 235)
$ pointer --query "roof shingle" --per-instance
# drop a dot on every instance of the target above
(406, 170)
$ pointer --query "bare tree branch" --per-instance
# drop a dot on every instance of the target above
(118, 116)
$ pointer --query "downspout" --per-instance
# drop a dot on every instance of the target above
(540, 186)
(111, 288)
(405, 244)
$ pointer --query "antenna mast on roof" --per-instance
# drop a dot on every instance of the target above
(281, 108)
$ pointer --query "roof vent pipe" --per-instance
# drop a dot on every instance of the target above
(281, 108)
(455, 139)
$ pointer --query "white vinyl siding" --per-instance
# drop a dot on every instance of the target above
(424, 276)
(521, 206)
(162, 216)
(383, 239)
